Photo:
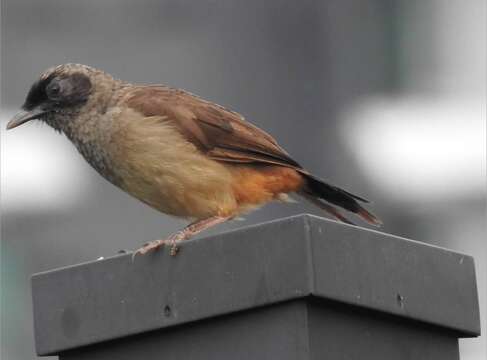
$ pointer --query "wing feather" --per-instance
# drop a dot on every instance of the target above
(221, 133)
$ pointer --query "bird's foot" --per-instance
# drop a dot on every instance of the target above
(171, 241)
(185, 234)
(152, 245)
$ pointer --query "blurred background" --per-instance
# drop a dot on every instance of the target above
(385, 98)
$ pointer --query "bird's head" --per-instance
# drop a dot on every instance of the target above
(58, 93)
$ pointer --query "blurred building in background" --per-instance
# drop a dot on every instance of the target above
(385, 98)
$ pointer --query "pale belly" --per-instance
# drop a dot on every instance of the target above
(182, 189)
(159, 167)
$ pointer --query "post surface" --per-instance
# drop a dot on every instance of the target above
(266, 279)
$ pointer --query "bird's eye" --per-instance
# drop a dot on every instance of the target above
(53, 90)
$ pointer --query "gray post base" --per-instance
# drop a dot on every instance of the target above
(296, 288)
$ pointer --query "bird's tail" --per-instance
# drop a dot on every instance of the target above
(324, 196)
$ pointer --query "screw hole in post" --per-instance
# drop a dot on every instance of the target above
(167, 311)
(400, 300)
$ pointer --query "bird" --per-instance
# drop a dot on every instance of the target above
(176, 152)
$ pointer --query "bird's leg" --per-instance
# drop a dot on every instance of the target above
(184, 234)
(193, 229)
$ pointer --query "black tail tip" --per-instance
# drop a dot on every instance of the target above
(369, 217)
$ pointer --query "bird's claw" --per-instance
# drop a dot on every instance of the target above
(172, 241)
(152, 245)
(174, 250)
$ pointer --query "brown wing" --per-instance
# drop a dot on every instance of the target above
(222, 134)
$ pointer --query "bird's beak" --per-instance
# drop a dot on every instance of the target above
(24, 116)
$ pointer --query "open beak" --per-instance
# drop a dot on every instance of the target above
(24, 116)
